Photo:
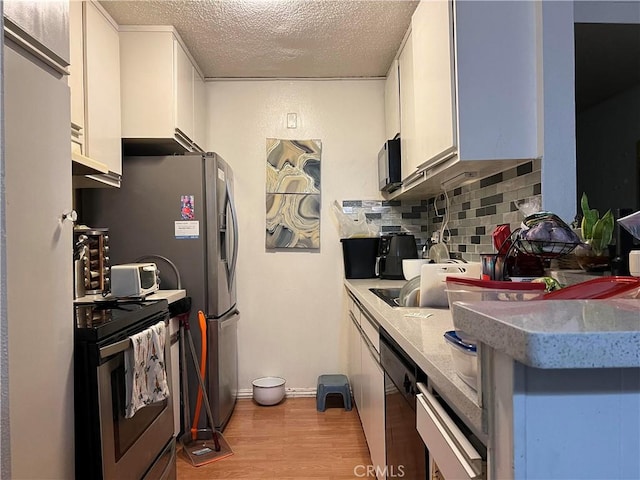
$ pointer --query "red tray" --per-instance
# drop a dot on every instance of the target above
(598, 288)
(495, 284)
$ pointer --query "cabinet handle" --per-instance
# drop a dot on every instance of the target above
(183, 140)
(71, 215)
(15, 33)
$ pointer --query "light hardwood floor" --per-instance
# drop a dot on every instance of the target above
(285, 442)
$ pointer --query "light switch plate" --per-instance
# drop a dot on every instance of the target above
(292, 120)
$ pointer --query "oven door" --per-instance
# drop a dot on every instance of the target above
(129, 445)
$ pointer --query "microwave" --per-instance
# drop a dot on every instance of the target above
(389, 176)
(134, 279)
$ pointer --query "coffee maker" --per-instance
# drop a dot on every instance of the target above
(393, 249)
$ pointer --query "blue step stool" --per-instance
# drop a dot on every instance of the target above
(335, 383)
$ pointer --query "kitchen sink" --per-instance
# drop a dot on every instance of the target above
(389, 295)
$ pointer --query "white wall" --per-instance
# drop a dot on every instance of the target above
(291, 302)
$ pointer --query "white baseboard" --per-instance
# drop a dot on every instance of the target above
(289, 392)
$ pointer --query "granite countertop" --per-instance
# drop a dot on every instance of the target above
(557, 333)
(169, 295)
(419, 331)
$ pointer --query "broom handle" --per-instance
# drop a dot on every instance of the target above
(204, 392)
(203, 366)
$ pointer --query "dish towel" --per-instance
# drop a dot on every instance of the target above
(145, 370)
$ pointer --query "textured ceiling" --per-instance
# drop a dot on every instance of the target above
(280, 38)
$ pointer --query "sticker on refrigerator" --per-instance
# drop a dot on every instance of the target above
(187, 229)
(187, 211)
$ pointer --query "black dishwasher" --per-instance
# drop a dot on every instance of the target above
(405, 450)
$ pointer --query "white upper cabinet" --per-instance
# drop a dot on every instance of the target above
(43, 25)
(199, 110)
(408, 155)
(76, 77)
(95, 96)
(496, 80)
(102, 88)
(433, 87)
(184, 84)
(392, 102)
(473, 69)
(162, 92)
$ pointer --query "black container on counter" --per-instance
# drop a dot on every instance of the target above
(394, 248)
(359, 255)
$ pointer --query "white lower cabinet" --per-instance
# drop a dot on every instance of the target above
(373, 408)
(367, 382)
(355, 364)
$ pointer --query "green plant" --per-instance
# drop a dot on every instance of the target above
(596, 231)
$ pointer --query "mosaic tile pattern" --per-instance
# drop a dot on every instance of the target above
(474, 211)
(293, 194)
(394, 216)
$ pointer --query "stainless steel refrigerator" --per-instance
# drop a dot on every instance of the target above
(181, 207)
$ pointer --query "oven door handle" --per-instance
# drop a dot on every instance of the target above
(123, 345)
(114, 348)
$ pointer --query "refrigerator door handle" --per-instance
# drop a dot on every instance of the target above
(234, 221)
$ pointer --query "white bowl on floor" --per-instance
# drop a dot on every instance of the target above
(268, 390)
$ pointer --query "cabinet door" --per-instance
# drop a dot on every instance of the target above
(432, 32)
(355, 366)
(199, 110)
(45, 22)
(183, 71)
(377, 445)
(373, 406)
(365, 384)
(407, 110)
(76, 78)
(102, 89)
(392, 102)
(37, 180)
(498, 116)
(147, 84)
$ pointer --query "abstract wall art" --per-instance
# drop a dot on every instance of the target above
(293, 194)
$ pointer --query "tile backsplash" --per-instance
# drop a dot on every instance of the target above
(474, 210)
